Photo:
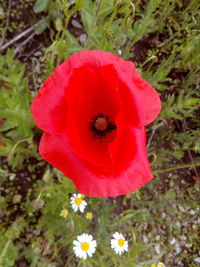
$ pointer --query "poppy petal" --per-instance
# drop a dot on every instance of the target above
(56, 149)
(93, 109)
(140, 95)
(87, 97)
(49, 107)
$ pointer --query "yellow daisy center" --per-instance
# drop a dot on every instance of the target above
(64, 213)
(89, 215)
(121, 242)
(78, 201)
(85, 246)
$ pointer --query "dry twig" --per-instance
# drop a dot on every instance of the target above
(19, 36)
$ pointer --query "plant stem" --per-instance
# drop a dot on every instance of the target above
(14, 147)
(177, 167)
(150, 138)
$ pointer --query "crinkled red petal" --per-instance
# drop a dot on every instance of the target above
(49, 107)
(120, 178)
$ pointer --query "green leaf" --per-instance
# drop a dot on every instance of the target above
(41, 27)
(58, 24)
(40, 5)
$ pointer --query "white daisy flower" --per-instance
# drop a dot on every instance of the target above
(119, 244)
(78, 203)
(84, 246)
(64, 213)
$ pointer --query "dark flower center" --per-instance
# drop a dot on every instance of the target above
(101, 125)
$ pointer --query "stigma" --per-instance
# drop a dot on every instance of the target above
(101, 124)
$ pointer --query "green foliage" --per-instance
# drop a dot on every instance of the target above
(33, 194)
(52, 15)
(14, 110)
(7, 243)
(40, 5)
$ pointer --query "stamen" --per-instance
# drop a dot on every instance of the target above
(101, 124)
(121, 242)
(85, 246)
(78, 201)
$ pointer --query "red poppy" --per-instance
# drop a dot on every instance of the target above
(93, 109)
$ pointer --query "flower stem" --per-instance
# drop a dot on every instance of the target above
(177, 167)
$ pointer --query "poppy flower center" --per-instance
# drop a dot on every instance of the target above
(101, 124)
